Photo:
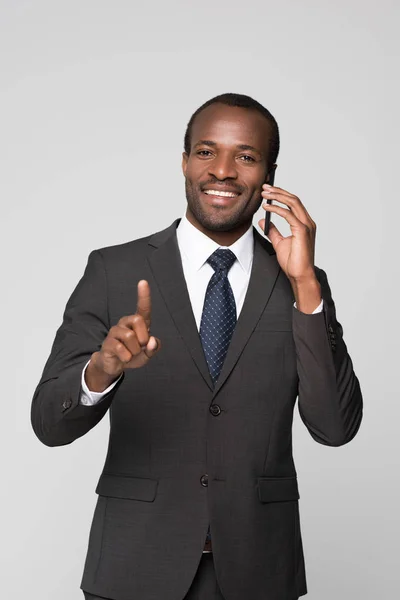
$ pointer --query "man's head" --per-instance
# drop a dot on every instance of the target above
(231, 145)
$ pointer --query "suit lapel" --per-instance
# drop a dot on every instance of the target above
(166, 265)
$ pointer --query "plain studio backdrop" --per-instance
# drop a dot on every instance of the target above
(95, 97)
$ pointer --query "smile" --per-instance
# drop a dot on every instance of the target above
(221, 193)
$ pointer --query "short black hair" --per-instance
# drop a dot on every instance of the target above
(242, 101)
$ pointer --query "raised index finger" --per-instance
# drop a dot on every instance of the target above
(144, 301)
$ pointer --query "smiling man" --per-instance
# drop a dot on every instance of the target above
(226, 161)
(198, 497)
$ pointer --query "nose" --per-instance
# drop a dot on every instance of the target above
(223, 167)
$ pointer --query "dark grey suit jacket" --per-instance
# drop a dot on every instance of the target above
(154, 505)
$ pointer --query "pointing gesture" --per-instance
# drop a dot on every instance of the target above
(128, 345)
(144, 302)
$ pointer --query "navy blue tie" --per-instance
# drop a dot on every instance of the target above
(218, 319)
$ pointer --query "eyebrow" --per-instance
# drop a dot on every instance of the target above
(239, 146)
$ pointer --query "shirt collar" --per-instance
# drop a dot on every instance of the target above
(197, 246)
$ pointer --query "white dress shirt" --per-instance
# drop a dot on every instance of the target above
(195, 248)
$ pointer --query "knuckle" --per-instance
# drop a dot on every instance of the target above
(119, 347)
(125, 320)
(136, 319)
(129, 335)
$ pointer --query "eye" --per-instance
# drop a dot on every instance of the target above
(200, 151)
(247, 156)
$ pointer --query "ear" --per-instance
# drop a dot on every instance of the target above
(185, 159)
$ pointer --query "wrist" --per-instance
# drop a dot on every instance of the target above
(96, 379)
(307, 294)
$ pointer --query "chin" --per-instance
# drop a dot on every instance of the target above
(218, 218)
(219, 222)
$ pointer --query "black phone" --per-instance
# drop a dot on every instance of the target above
(269, 201)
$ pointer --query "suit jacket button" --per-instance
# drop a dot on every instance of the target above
(330, 328)
(215, 410)
(66, 404)
(204, 480)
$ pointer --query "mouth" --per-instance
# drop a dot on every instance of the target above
(221, 197)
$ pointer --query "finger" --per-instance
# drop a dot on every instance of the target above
(293, 202)
(144, 301)
(128, 338)
(276, 189)
(273, 232)
(286, 214)
(115, 347)
(152, 347)
(136, 325)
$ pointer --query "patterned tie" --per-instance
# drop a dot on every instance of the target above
(218, 319)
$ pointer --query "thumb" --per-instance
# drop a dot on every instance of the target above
(153, 346)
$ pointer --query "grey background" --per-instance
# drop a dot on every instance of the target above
(95, 97)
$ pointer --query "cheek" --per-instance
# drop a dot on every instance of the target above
(254, 182)
(255, 200)
(191, 174)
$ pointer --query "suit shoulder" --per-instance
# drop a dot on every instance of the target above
(137, 248)
(124, 247)
(320, 273)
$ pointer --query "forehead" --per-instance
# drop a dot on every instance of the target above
(230, 126)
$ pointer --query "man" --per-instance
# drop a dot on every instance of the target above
(198, 497)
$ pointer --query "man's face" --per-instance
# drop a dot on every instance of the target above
(229, 150)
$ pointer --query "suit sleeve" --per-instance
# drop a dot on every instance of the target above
(330, 399)
(57, 416)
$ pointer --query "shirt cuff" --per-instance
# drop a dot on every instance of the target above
(90, 398)
(317, 310)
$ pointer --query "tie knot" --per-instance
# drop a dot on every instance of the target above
(222, 259)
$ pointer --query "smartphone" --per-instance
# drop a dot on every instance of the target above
(267, 215)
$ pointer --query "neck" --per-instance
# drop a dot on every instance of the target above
(222, 238)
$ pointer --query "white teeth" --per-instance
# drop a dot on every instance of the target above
(220, 193)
